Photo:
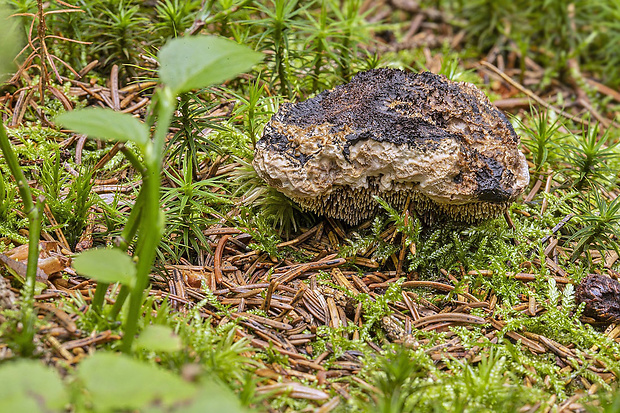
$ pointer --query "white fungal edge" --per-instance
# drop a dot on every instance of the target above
(431, 171)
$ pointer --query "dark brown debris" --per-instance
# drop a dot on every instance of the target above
(601, 296)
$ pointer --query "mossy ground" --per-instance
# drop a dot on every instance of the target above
(295, 312)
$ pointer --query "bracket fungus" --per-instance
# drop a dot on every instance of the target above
(397, 135)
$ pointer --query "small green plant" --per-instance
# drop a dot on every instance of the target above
(590, 158)
(354, 28)
(273, 208)
(363, 243)
(40, 57)
(117, 24)
(255, 108)
(193, 118)
(610, 22)
(181, 70)
(279, 20)
(450, 68)
(189, 203)
(71, 210)
(264, 236)
(74, 26)
(9, 219)
(401, 383)
(395, 376)
(542, 137)
(487, 20)
(322, 33)
(486, 385)
(559, 30)
(432, 250)
(174, 17)
(558, 322)
(601, 226)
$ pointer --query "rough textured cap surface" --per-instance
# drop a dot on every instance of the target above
(400, 136)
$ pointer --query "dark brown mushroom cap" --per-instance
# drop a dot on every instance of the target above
(396, 135)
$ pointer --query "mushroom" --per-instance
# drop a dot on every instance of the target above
(397, 135)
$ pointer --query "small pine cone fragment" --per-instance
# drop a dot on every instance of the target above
(602, 297)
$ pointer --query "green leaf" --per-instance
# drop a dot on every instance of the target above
(28, 386)
(106, 124)
(188, 63)
(10, 41)
(159, 338)
(211, 397)
(214, 397)
(116, 381)
(105, 265)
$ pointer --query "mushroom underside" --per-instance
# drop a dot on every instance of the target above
(354, 205)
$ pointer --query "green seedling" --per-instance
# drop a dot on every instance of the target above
(181, 70)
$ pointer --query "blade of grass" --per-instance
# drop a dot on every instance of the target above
(34, 213)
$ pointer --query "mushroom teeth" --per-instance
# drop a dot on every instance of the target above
(401, 136)
(357, 205)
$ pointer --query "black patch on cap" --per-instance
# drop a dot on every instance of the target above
(489, 179)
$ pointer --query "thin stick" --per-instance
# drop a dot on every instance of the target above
(217, 266)
(543, 207)
(559, 225)
(114, 88)
(531, 94)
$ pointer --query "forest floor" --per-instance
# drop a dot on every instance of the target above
(288, 311)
